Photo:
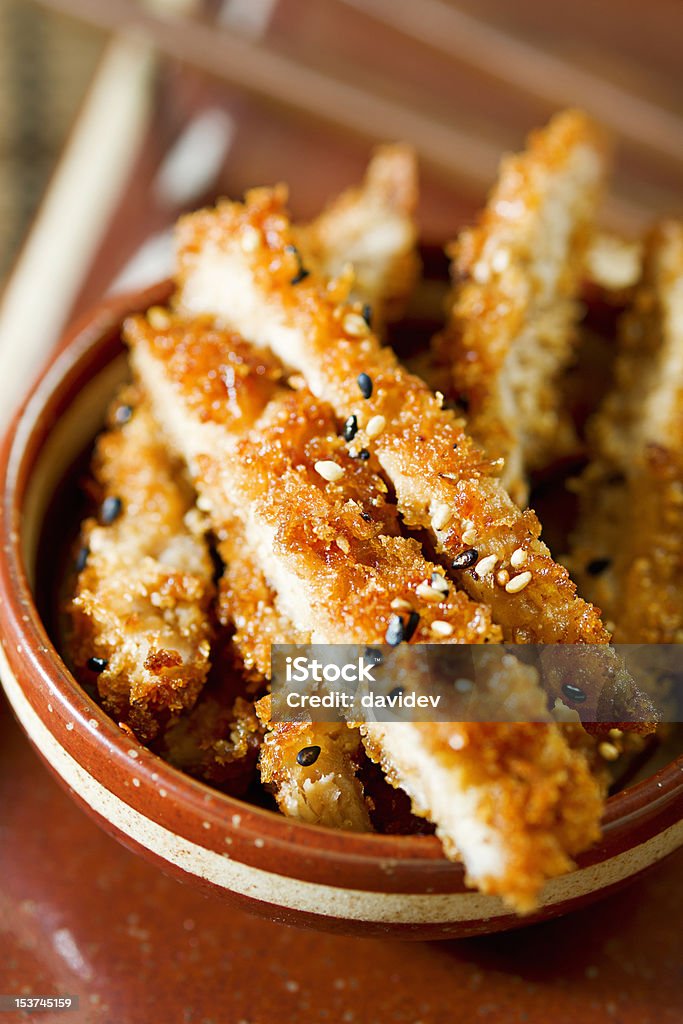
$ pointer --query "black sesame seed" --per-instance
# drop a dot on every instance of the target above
(97, 664)
(395, 633)
(439, 583)
(367, 315)
(465, 559)
(366, 516)
(300, 276)
(396, 692)
(373, 656)
(411, 625)
(598, 566)
(350, 428)
(111, 510)
(123, 414)
(308, 756)
(363, 454)
(82, 558)
(302, 273)
(365, 384)
(573, 693)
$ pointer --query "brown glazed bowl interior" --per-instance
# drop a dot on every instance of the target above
(293, 872)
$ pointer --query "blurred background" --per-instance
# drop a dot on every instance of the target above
(119, 114)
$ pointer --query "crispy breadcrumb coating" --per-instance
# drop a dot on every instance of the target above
(628, 552)
(324, 789)
(514, 306)
(371, 228)
(142, 604)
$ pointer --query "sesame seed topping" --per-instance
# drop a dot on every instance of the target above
(302, 273)
(399, 604)
(518, 583)
(307, 756)
(573, 693)
(441, 516)
(463, 685)
(363, 455)
(439, 398)
(440, 582)
(429, 593)
(97, 664)
(395, 633)
(373, 655)
(375, 426)
(441, 628)
(158, 317)
(329, 470)
(598, 566)
(367, 315)
(250, 239)
(470, 537)
(411, 625)
(123, 414)
(82, 558)
(608, 751)
(502, 577)
(350, 428)
(110, 510)
(466, 559)
(396, 692)
(485, 566)
(355, 325)
(518, 558)
(365, 384)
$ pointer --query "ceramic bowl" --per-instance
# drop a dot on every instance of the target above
(291, 872)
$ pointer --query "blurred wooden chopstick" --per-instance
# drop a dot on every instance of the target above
(477, 44)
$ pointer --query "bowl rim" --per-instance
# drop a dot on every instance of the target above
(23, 627)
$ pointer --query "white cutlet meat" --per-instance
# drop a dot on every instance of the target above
(627, 552)
(371, 229)
(514, 307)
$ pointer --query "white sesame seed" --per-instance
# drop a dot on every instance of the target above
(441, 628)
(480, 272)
(502, 577)
(500, 260)
(429, 593)
(467, 524)
(518, 583)
(355, 325)
(441, 516)
(158, 317)
(485, 566)
(518, 558)
(375, 426)
(136, 783)
(469, 537)
(69, 726)
(608, 751)
(463, 685)
(440, 582)
(439, 398)
(329, 470)
(400, 605)
(250, 239)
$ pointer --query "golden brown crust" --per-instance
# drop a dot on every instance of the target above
(318, 540)
(514, 305)
(142, 600)
(372, 228)
(434, 466)
(627, 552)
(326, 791)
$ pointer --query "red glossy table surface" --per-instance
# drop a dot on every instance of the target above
(81, 915)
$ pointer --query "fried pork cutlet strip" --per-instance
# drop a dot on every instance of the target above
(628, 549)
(141, 608)
(311, 768)
(514, 801)
(315, 516)
(443, 482)
(514, 306)
(372, 228)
